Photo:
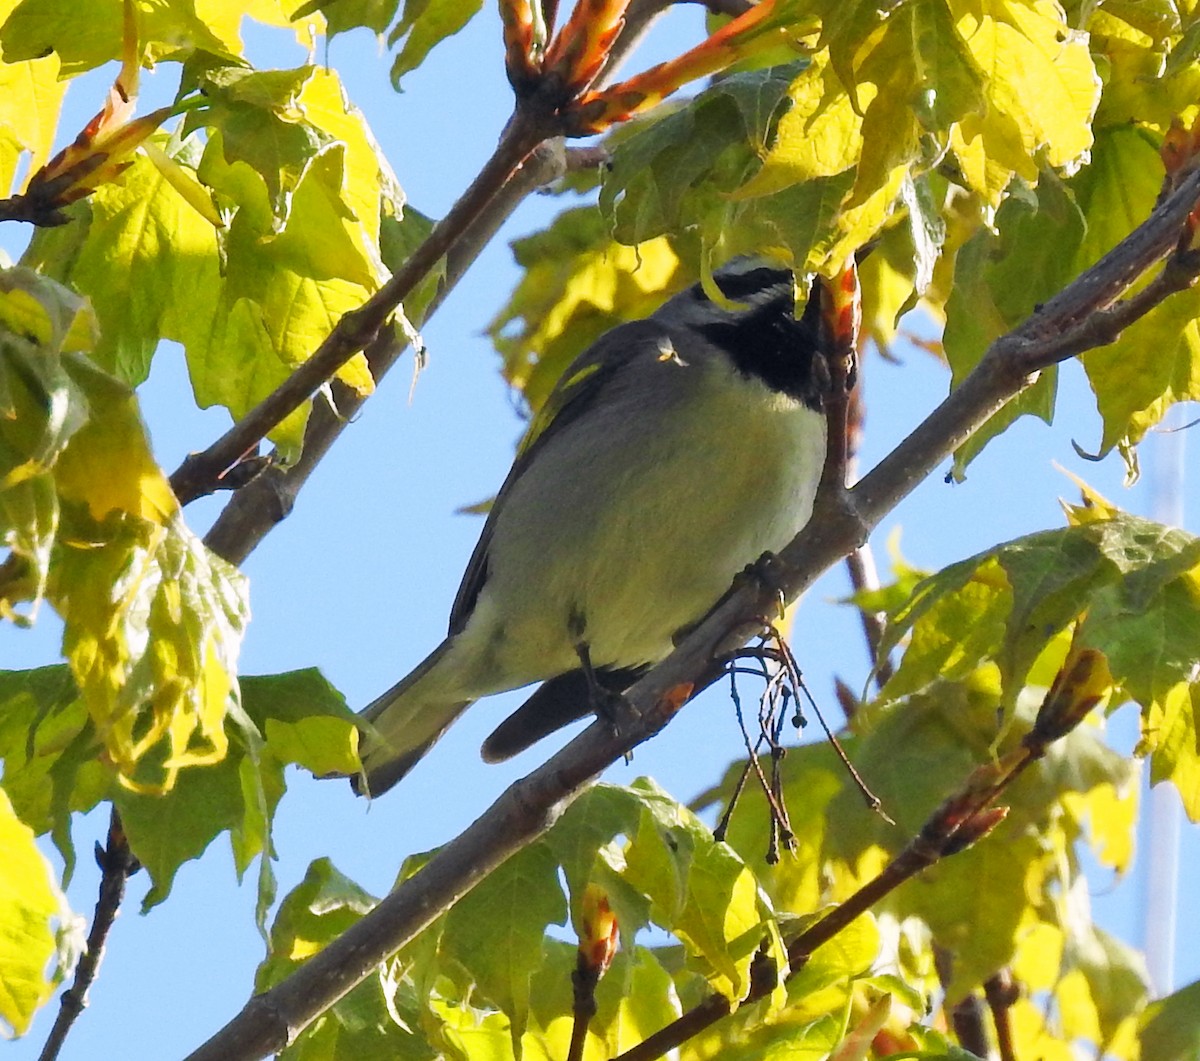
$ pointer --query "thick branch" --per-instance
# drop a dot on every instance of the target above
(841, 521)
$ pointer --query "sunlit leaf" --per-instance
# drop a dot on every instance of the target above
(293, 718)
(30, 97)
(675, 172)
(86, 34)
(33, 920)
(47, 744)
(140, 225)
(577, 284)
(495, 931)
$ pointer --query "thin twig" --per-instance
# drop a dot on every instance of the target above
(584, 979)
(200, 473)
(117, 865)
(860, 565)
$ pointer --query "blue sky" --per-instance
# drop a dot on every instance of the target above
(359, 580)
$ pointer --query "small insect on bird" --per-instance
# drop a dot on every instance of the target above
(672, 453)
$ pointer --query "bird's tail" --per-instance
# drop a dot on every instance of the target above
(404, 724)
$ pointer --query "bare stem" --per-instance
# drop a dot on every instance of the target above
(583, 981)
(117, 865)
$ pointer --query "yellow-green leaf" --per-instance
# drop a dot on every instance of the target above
(577, 285)
(1040, 85)
(30, 98)
(30, 906)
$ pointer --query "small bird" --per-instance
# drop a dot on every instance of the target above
(673, 452)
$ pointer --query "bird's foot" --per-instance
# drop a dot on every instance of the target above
(768, 572)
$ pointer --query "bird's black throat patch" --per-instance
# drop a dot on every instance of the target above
(765, 340)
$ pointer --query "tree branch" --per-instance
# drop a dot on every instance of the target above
(201, 473)
(521, 814)
(256, 508)
(117, 865)
(841, 521)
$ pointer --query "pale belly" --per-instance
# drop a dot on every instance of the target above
(623, 562)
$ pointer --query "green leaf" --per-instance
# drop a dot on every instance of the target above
(634, 999)
(812, 776)
(1170, 735)
(154, 657)
(402, 229)
(48, 746)
(166, 251)
(577, 284)
(1130, 577)
(846, 957)
(999, 280)
(814, 1041)
(676, 173)
(41, 409)
(89, 33)
(925, 79)
(699, 889)
(341, 16)
(166, 830)
(152, 621)
(1041, 90)
(1170, 1027)
(977, 902)
(304, 721)
(31, 96)
(262, 124)
(317, 911)
(371, 1021)
(1104, 988)
(1152, 364)
(425, 24)
(300, 175)
(495, 932)
(30, 907)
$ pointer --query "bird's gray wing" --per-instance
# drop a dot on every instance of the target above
(573, 396)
